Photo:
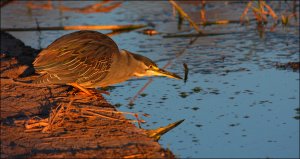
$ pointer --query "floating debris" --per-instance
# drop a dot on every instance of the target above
(150, 32)
(297, 110)
(290, 65)
(163, 98)
(233, 125)
(214, 91)
(297, 117)
(118, 105)
(241, 69)
(183, 94)
(197, 89)
(186, 72)
(146, 115)
(143, 94)
(195, 108)
(131, 104)
(198, 125)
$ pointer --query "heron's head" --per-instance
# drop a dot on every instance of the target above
(146, 67)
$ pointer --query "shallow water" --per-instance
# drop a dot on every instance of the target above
(235, 102)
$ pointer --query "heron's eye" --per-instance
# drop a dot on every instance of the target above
(150, 66)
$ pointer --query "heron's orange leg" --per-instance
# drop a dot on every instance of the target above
(76, 85)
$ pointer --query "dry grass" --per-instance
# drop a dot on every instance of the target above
(65, 114)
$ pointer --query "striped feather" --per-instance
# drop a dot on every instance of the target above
(79, 57)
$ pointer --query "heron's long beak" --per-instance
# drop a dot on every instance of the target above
(161, 72)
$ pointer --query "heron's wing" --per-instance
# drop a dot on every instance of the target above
(77, 57)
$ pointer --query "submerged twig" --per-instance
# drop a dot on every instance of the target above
(39, 33)
(295, 9)
(203, 12)
(186, 72)
(245, 12)
(185, 15)
(259, 11)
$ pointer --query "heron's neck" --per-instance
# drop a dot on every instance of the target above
(122, 68)
(125, 62)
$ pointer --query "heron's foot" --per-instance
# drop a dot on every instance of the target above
(90, 93)
(100, 91)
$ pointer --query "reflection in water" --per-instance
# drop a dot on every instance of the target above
(47, 6)
(235, 102)
(94, 8)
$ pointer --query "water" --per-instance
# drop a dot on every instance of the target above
(235, 102)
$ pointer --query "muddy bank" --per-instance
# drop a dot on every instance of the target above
(76, 137)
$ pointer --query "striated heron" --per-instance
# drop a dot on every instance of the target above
(89, 59)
